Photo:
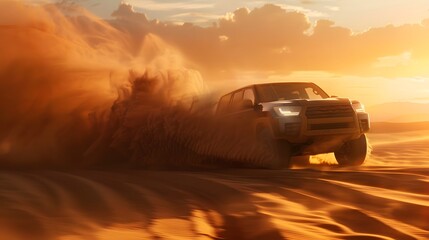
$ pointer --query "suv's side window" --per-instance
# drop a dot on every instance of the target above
(237, 99)
(249, 94)
(224, 103)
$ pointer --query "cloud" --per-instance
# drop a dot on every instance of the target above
(333, 8)
(126, 11)
(281, 39)
(308, 12)
(394, 61)
(195, 17)
(167, 6)
(308, 2)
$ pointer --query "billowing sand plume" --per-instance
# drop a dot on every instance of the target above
(52, 75)
(148, 113)
(80, 91)
(61, 69)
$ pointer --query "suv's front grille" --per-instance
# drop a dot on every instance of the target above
(325, 126)
(332, 111)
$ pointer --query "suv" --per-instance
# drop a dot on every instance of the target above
(299, 119)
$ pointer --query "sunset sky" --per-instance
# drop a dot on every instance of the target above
(376, 51)
(355, 14)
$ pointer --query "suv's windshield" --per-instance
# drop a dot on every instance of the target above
(288, 91)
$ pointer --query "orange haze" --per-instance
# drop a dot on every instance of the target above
(60, 65)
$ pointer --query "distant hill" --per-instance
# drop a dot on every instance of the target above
(390, 127)
(399, 112)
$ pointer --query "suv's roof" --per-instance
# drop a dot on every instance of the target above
(262, 84)
(271, 83)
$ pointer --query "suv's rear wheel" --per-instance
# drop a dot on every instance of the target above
(276, 153)
(352, 153)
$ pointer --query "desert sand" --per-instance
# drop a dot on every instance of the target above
(386, 198)
(73, 85)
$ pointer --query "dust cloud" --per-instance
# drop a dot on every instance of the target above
(77, 91)
(61, 71)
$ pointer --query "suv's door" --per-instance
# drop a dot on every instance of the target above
(242, 106)
(237, 99)
(223, 106)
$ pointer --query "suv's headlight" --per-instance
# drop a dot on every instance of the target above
(359, 107)
(287, 111)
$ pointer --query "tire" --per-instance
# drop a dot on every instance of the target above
(277, 153)
(352, 153)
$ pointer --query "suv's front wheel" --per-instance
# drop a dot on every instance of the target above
(276, 153)
(352, 153)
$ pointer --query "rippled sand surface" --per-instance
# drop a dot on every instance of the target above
(387, 198)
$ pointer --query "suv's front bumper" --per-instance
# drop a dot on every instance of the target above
(325, 131)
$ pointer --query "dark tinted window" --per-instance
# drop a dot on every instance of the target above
(223, 103)
(249, 94)
(237, 100)
(237, 97)
(266, 93)
(289, 91)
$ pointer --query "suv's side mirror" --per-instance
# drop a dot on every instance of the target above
(258, 108)
(246, 104)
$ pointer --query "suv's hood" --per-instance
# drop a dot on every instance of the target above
(305, 102)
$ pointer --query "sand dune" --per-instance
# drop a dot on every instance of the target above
(399, 112)
(387, 198)
(392, 127)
